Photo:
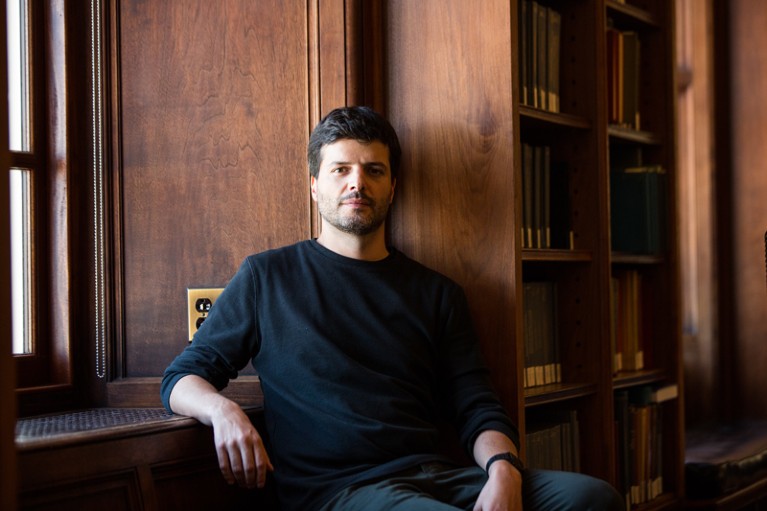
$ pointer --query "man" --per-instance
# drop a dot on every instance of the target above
(360, 352)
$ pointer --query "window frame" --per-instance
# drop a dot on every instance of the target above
(32, 366)
(44, 377)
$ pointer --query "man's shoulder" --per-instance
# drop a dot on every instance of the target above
(425, 272)
(279, 253)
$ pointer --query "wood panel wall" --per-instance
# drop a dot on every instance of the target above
(748, 177)
(696, 209)
(169, 464)
(214, 111)
(449, 96)
(211, 106)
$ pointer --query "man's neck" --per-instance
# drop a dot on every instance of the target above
(369, 247)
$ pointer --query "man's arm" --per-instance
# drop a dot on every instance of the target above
(503, 490)
(240, 449)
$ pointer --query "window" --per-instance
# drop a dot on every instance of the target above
(39, 183)
(21, 253)
(24, 165)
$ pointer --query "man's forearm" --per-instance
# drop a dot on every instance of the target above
(240, 449)
(503, 489)
(195, 397)
(489, 443)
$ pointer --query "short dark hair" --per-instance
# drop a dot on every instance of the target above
(359, 123)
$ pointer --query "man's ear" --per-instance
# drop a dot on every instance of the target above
(393, 186)
(313, 187)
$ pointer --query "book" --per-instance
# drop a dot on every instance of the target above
(613, 50)
(560, 218)
(541, 54)
(637, 210)
(639, 438)
(617, 348)
(623, 77)
(539, 49)
(654, 394)
(524, 62)
(622, 442)
(553, 42)
(628, 314)
(527, 195)
(541, 336)
(538, 205)
(533, 47)
(545, 200)
(552, 442)
(629, 115)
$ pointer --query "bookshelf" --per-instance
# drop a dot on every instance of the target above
(469, 205)
(617, 328)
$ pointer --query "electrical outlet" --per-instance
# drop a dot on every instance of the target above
(198, 302)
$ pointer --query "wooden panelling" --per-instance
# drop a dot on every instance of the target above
(449, 96)
(213, 126)
(748, 111)
(161, 464)
(117, 492)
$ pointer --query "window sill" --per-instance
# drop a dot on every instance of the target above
(98, 425)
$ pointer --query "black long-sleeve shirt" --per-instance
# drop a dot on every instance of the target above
(358, 362)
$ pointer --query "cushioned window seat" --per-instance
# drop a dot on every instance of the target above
(726, 465)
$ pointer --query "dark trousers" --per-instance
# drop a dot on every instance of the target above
(440, 487)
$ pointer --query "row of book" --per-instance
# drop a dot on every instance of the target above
(630, 324)
(539, 43)
(541, 337)
(623, 53)
(552, 444)
(628, 321)
(545, 204)
(639, 437)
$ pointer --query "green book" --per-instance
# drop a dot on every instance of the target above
(637, 210)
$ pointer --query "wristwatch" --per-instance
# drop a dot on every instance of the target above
(506, 456)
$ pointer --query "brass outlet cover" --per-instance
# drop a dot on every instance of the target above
(199, 300)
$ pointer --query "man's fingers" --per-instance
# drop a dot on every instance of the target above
(250, 477)
(224, 465)
(264, 466)
(241, 454)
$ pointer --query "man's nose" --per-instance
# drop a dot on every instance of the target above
(357, 179)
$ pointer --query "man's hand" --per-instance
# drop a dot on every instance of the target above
(241, 454)
(503, 490)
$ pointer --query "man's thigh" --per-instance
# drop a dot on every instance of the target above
(428, 487)
(439, 487)
(547, 490)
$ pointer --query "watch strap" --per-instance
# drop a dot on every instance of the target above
(506, 456)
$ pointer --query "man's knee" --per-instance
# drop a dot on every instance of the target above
(598, 495)
(567, 491)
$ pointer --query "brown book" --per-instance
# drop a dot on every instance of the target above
(553, 41)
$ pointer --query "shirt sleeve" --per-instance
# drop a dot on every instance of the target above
(470, 397)
(225, 342)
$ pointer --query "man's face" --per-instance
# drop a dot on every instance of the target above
(354, 186)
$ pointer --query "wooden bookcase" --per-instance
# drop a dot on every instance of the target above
(593, 131)
(454, 91)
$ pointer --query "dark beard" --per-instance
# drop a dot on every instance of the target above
(358, 224)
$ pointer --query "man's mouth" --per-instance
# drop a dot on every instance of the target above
(356, 200)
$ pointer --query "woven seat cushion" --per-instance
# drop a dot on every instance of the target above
(721, 459)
